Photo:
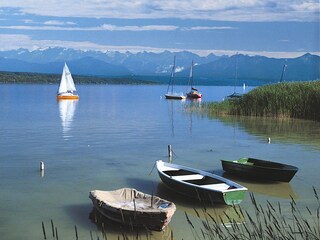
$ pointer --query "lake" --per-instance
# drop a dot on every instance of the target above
(112, 137)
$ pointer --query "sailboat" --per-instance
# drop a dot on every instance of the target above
(193, 93)
(67, 89)
(171, 94)
(235, 95)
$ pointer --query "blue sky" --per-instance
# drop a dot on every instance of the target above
(282, 28)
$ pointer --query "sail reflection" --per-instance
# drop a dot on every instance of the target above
(67, 109)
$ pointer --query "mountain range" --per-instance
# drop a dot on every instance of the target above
(207, 70)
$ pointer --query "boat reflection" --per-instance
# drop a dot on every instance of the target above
(269, 188)
(67, 110)
(194, 104)
(217, 213)
(174, 106)
(112, 230)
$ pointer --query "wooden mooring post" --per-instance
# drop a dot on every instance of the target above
(169, 153)
(41, 165)
(41, 168)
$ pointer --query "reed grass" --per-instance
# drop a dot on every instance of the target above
(267, 222)
(282, 100)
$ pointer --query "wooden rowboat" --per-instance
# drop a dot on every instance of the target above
(133, 208)
(200, 184)
(260, 169)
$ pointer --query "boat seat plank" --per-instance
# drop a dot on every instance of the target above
(246, 163)
(166, 168)
(217, 186)
(188, 177)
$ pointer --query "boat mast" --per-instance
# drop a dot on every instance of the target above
(283, 71)
(172, 75)
(236, 74)
(190, 80)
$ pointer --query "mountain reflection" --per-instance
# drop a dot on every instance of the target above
(67, 109)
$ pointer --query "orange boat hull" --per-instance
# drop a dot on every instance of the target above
(67, 97)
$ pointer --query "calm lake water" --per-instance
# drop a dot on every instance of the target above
(112, 137)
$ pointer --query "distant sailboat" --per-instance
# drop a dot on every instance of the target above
(235, 95)
(171, 94)
(67, 89)
(193, 93)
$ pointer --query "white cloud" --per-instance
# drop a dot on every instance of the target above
(55, 22)
(29, 21)
(47, 28)
(178, 69)
(16, 41)
(200, 28)
(58, 25)
(310, 6)
(110, 27)
(231, 10)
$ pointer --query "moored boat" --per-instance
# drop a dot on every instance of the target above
(260, 169)
(133, 208)
(175, 95)
(234, 96)
(67, 89)
(193, 93)
(200, 184)
(171, 93)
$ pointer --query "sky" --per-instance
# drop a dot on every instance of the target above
(273, 28)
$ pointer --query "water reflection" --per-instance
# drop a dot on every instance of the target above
(173, 107)
(218, 213)
(194, 103)
(269, 188)
(67, 110)
(113, 230)
(185, 106)
(285, 130)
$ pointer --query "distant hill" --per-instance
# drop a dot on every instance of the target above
(208, 70)
(40, 78)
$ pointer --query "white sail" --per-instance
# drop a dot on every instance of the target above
(66, 83)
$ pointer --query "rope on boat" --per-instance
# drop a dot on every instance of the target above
(152, 169)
